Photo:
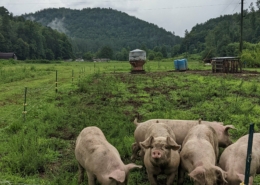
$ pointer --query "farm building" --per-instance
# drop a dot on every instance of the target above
(226, 65)
(101, 59)
(8, 56)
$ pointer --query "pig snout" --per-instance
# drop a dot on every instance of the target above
(156, 154)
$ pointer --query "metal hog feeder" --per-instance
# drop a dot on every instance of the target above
(137, 59)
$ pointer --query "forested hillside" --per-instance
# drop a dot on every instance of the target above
(92, 29)
(30, 40)
(221, 36)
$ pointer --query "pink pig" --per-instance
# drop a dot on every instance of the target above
(199, 157)
(161, 152)
(180, 129)
(233, 160)
(100, 159)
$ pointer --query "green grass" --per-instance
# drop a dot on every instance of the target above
(39, 148)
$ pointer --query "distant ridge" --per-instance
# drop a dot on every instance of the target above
(92, 28)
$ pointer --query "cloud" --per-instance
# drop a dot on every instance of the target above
(31, 18)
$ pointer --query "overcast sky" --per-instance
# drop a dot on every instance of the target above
(172, 15)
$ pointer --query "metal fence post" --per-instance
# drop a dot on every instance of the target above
(249, 153)
(24, 104)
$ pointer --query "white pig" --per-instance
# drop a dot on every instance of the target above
(161, 153)
(100, 159)
(199, 157)
(233, 160)
(180, 129)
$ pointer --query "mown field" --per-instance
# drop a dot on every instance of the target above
(38, 147)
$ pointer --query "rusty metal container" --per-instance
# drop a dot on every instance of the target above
(137, 59)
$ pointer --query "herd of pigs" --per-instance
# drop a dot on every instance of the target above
(170, 147)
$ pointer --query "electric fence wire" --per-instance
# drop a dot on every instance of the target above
(35, 105)
(12, 113)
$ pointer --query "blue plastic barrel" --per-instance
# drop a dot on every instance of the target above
(176, 64)
(183, 65)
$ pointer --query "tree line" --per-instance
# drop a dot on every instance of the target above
(31, 40)
(221, 36)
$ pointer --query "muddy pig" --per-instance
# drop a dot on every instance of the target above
(199, 157)
(100, 159)
(233, 160)
(180, 129)
(161, 152)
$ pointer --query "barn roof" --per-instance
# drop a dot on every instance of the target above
(6, 55)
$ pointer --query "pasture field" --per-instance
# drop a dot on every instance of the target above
(38, 147)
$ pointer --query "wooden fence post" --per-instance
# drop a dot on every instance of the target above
(56, 86)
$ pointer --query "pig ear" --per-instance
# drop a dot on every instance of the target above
(241, 177)
(117, 175)
(221, 173)
(147, 143)
(172, 144)
(198, 175)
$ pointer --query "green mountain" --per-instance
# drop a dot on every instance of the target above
(221, 36)
(91, 29)
(31, 40)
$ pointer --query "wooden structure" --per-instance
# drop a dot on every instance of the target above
(8, 56)
(226, 65)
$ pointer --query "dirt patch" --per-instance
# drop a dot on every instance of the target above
(244, 74)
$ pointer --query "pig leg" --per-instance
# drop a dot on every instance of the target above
(91, 179)
(170, 179)
(181, 174)
(135, 149)
(152, 178)
(81, 174)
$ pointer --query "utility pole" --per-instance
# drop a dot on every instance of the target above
(241, 27)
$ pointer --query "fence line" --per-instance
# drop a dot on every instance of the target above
(31, 103)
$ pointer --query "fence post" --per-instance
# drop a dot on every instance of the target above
(56, 87)
(24, 104)
(72, 76)
(249, 153)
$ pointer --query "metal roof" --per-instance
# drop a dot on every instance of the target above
(137, 50)
(225, 58)
(6, 55)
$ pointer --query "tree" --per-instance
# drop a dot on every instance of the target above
(258, 4)
(22, 49)
(175, 50)
(2, 41)
(88, 56)
(164, 51)
(252, 17)
(151, 56)
(3, 11)
(106, 52)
